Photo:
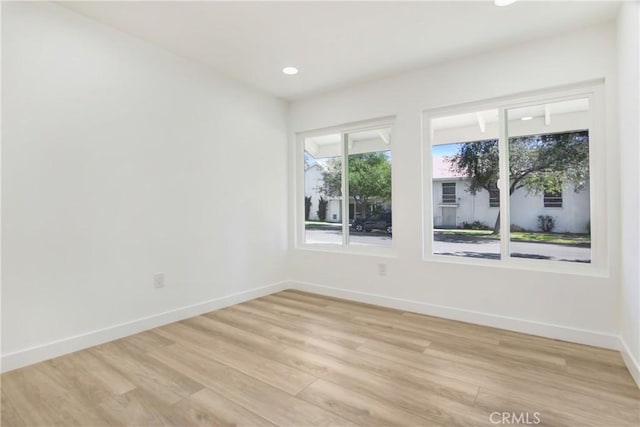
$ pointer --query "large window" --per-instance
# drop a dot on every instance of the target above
(514, 182)
(355, 162)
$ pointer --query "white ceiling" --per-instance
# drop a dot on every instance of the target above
(335, 44)
(491, 116)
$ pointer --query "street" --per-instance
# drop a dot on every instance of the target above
(327, 237)
(490, 249)
(475, 247)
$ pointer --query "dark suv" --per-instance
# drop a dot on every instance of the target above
(380, 221)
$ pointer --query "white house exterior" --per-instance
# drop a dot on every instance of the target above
(312, 184)
(572, 217)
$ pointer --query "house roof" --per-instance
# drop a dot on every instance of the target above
(442, 169)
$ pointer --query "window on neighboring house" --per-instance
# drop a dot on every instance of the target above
(494, 196)
(520, 160)
(552, 198)
(353, 161)
(448, 193)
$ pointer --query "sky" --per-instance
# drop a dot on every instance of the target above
(445, 149)
(437, 150)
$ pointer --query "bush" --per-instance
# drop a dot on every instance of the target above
(517, 229)
(475, 225)
(307, 207)
(546, 223)
(322, 208)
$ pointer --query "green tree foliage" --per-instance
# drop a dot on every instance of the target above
(537, 163)
(369, 177)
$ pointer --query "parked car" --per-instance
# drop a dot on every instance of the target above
(380, 221)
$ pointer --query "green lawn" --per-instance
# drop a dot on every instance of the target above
(557, 238)
(562, 238)
(315, 225)
(449, 232)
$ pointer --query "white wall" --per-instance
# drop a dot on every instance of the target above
(629, 134)
(121, 160)
(573, 307)
(572, 217)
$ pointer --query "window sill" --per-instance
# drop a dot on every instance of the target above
(558, 267)
(350, 250)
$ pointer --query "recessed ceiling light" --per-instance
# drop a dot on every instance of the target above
(503, 2)
(527, 118)
(290, 70)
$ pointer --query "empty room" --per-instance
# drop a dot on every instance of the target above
(299, 213)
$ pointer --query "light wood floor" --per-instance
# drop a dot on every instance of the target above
(300, 359)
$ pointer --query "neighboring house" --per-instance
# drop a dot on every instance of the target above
(313, 183)
(313, 187)
(453, 204)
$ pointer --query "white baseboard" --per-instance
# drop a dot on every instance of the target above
(57, 348)
(548, 330)
(632, 363)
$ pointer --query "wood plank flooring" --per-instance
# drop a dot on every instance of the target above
(299, 359)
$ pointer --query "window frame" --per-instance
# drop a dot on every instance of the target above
(344, 130)
(599, 208)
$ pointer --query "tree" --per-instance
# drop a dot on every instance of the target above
(322, 208)
(369, 177)
(536, 162)
(307, 207)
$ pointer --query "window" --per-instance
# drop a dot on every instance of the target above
(355, 162)
(494, 196)
(323, 189)
(463, 225)
(552, 198)
(448, 193)
(514, 166)
(548, 147)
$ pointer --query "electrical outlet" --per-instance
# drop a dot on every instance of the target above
(382, 269)
(158, 280)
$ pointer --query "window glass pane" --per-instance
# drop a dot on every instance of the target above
(465, 172)
(322, 189)
(549, 181)
(369, 183)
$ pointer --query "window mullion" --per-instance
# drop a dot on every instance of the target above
(345, 189)
(503, 184)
